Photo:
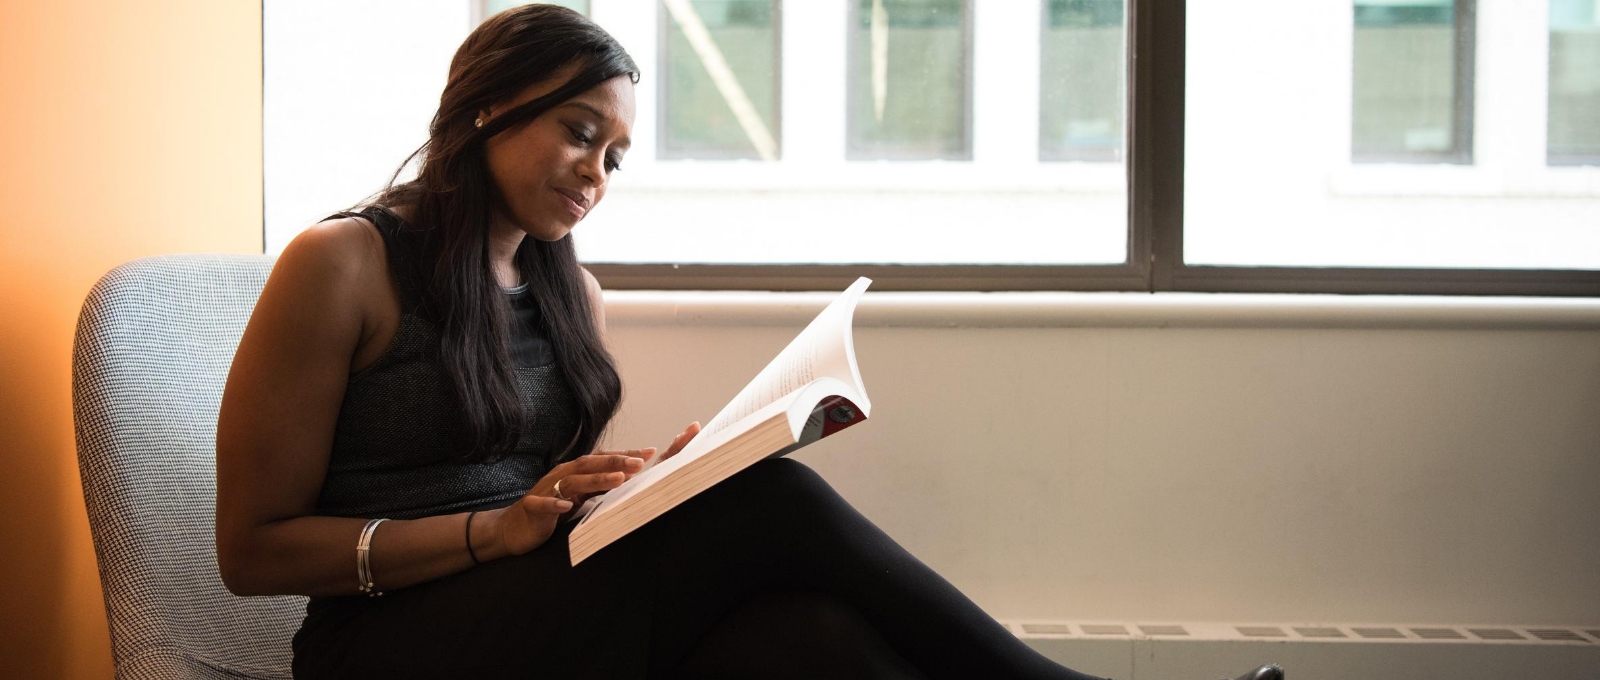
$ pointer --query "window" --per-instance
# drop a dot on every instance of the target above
(1023, 145)
(1412, 81)
(1081, 90)
(1267, 183)
(1574, 135)
(720, 70)
(950, 177)
(910, 84)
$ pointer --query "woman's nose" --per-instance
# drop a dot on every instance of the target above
(592, 168)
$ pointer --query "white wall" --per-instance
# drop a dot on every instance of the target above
(1162, 458)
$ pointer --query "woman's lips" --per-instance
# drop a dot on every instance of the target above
(573, 207)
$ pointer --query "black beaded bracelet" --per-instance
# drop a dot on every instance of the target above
(470, 553)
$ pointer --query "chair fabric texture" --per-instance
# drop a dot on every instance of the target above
(154, 343)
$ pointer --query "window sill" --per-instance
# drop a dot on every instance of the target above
(629, 308)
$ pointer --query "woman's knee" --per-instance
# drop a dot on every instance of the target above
(767, 496)
(777, 478)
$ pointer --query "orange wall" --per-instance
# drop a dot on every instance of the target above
(127, 129)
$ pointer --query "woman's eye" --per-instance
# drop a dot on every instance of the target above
(582, 138)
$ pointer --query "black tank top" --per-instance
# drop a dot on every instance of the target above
(393, 451)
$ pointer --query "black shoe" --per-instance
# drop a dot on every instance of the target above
(1270, 671)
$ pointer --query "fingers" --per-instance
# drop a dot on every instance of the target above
(605, 461)
(545, 504)
(576, 486)
(644, 455)
(682, 440)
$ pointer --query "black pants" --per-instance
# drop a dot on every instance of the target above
(770, 574)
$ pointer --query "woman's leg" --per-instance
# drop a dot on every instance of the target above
(778, 526)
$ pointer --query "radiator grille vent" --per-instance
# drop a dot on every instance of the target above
(1046, 628)
(1556, 634)
(1163, 630)
(1438, 633)
(1320, 632)
(1092, 629)
(1380, 633)
(1496, 634)
(1261, 631)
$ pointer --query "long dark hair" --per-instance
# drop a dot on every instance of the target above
(445, 268)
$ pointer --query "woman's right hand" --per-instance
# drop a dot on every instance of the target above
(530, 521)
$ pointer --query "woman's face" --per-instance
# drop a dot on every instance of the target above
(554, 169)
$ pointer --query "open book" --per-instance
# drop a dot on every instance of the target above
(811, 390)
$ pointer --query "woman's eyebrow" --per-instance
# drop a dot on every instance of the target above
(597, 114)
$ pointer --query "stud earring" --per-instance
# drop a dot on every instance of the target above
(478, 122)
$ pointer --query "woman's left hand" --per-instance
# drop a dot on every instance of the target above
(649, 453)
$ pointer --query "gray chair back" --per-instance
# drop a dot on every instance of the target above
(154, 343)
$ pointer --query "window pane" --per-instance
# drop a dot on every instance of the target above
(1406, 99)
(1081, 95)
(1268, 177)
(910, 93)
(813, 203)
(493, 7)
(1575, 82)
(720, 79)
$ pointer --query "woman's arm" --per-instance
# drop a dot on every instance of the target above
(275, 434)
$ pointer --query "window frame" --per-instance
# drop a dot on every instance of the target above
(1155, 133)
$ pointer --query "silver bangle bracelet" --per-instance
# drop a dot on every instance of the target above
(363, 562)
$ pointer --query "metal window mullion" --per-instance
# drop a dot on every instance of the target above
(1155, 139)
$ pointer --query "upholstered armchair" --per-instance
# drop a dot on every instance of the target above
(154, 343)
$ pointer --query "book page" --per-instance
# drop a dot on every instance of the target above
(824, 349)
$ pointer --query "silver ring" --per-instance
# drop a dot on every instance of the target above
(558, 489)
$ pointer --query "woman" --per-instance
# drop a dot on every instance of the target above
(425, 381)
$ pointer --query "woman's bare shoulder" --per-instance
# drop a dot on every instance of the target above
(597, 303)
(334, 272)
(343, 258)
(339, 247)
